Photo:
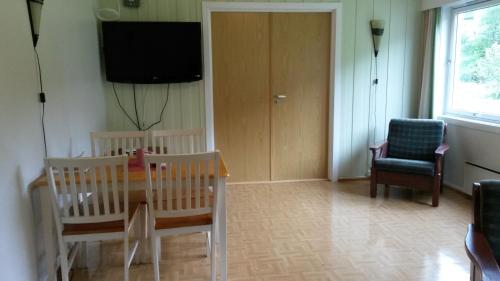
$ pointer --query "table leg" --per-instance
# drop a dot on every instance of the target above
(223, 229)
(82, 255)
(144, 234)
(48, 233)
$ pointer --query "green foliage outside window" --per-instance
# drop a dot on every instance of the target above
(480, 56)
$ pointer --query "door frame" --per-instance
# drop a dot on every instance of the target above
(335, 65)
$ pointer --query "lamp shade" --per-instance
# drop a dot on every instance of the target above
(377, 27)
(35, 13)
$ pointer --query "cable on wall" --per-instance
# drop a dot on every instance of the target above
(162, 110)
(42, 100)
(377, 30)
(123, 109)
(137, 122)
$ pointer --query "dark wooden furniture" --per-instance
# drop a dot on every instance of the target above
(412, 156)
(482, 242)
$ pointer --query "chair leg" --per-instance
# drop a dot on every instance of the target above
(436, 191)
(64, 261)
(213, 262)
(475, 273)
(154, 256)
(158, 247)
(82, 257)
(208, 244)
(125, 258)
(373, 184)
(144, 233)
(387, 190)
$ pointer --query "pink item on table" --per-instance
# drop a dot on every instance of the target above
(139, 157)
(137, 162)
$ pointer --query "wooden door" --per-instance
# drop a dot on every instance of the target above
(300, 70)
(240, 43)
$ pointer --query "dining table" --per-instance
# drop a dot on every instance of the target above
(136, 181)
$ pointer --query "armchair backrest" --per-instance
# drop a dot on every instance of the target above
(415, 139)
(487, 212)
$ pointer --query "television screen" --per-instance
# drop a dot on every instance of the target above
(152, 52)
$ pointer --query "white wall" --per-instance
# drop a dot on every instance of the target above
(476, 145)
(69, 55)
(365, 111)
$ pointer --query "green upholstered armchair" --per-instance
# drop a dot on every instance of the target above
(482, 242)
(411, 156)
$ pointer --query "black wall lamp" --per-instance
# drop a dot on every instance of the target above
(35, 13)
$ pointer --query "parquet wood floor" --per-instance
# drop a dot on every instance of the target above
(316, 231)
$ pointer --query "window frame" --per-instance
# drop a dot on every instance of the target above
(450, 65)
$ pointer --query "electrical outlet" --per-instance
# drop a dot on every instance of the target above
(131, 3)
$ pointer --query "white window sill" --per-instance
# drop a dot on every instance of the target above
(471, 123)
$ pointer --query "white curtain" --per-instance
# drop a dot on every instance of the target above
(431, 18)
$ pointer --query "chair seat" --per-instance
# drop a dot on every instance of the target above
(167, 223)
(139, 196)
(103, 227)
(418, 167)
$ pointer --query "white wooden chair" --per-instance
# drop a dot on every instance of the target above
(188, 206)
(181, 141)
(87, 206)
(117, 143)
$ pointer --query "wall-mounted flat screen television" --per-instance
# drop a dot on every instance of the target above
(152, 52)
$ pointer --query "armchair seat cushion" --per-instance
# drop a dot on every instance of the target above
(418, 167)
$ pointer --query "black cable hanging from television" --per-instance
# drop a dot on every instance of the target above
(162, 110)
(123, 109)
(136, 122)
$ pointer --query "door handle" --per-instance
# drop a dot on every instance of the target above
(278, 98)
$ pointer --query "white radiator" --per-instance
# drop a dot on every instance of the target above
(475, 173)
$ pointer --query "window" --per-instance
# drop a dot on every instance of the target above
(474, 65)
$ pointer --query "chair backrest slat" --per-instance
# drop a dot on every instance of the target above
(197, 184)
(169, 186)
(188, 184)
(159, 189)
(117, 143)
(162, 146)
(105, 189)
(181, 141)
(188, 194)
(178, 184)
(87, 199)
(83, 191)
(74, 191)
(95, 192)
(64, 190)
(108, 147)
(206, 182)
(114, 186)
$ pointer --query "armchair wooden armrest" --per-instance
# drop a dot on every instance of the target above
(441, 150)
(381, 148)
(481, 255)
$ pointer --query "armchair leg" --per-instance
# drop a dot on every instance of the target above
(475, 273)
(436, 191)
(373, 185)
(387, 190)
